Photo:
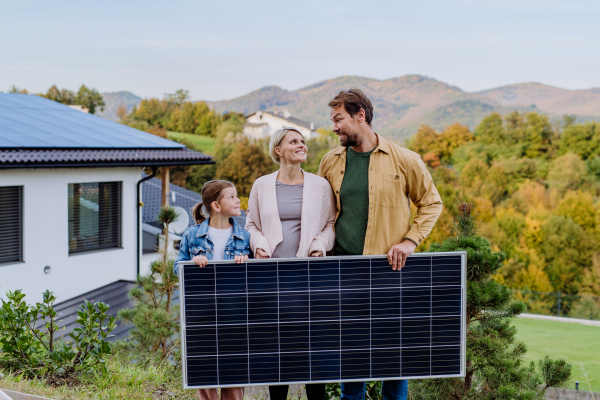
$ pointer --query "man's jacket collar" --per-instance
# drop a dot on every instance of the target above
(382, 145)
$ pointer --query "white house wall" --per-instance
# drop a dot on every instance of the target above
(275, 123)
(45, 235)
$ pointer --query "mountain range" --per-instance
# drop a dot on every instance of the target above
(402, 104)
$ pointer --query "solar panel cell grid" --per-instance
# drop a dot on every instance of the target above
(328, 319)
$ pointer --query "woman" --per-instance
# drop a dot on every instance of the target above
(291, 213)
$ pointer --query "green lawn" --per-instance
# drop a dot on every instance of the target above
(573, 342)
(204, 143)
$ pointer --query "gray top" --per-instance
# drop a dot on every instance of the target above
(289, 204)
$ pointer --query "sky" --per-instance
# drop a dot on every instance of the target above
(222, 49)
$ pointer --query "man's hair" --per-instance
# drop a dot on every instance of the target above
(353, 100)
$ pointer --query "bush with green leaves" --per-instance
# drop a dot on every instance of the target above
(29, 342)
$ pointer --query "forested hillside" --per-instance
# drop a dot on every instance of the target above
(402, 104)
(536, 188)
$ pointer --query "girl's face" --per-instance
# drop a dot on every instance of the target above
(229, 205)
(292, 148)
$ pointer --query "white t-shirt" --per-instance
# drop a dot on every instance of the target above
(219, 237)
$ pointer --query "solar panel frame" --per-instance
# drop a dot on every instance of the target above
(462, 344)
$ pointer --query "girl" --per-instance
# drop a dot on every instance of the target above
(217, 238)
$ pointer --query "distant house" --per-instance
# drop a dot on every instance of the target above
(263, 124)
(70, 201)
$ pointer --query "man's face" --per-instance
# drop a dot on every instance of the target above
(346, 127)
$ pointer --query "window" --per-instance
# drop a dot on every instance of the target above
(11, 224)
(94, 216)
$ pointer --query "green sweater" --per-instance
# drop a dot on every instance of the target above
(351, 225)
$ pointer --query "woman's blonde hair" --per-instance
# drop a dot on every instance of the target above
(277, 138)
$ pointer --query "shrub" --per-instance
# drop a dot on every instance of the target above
(36, 351)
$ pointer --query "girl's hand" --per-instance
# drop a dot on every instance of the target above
(316, 253)
(260, 253)
(240, 259)
(201, 261)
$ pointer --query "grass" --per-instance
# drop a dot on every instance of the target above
(573, 342)
(204, 143)
(125, 380)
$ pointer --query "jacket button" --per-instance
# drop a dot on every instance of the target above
(397, 177)
(227, 252)
(337, 192)
(341, 172)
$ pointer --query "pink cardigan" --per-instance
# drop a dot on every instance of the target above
(317, 221)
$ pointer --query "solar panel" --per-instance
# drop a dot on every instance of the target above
(30, 121)
(332, 319)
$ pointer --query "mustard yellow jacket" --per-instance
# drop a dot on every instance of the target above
(395, 175)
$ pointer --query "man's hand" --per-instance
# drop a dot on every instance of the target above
(399, 252)
(260, 253)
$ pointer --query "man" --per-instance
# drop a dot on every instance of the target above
(373, 180)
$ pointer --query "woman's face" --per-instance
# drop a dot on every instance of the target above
(292, 148)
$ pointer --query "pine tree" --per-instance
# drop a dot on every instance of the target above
(495, 368)
(155, 318)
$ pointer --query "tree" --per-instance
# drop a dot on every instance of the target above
(451, 138)
(14, 89)
(63, 96)
(89, 98)
(490, 130)
(494, 367)
(246, 163)
(178, 98)
(154, 316)
(567, 172)
(581, 139)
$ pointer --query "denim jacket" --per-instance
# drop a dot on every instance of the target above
(196, 242)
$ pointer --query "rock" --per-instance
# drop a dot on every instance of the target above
(1, 375)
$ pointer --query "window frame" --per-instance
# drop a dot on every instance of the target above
(116, 208)
(20, 226)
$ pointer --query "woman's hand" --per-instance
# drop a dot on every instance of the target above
(201, 261)
(260, 253)
(316, 253)
(240, 259)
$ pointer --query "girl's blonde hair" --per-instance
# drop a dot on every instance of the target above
(211, 191)
(277, 138)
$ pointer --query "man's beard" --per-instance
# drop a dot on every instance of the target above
(350, 139)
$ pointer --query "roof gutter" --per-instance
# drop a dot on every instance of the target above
(139, 225)
(153, 164)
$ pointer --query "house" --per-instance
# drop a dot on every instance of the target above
(70, 201)
(263, 124)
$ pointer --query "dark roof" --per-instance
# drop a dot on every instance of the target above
(115, 294)
(54, 158)
(30, 121)
(187, 199)
(291, 119)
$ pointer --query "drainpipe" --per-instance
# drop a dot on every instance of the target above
(139, 225)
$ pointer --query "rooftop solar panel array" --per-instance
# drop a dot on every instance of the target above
(30, 121)
(331, 319)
